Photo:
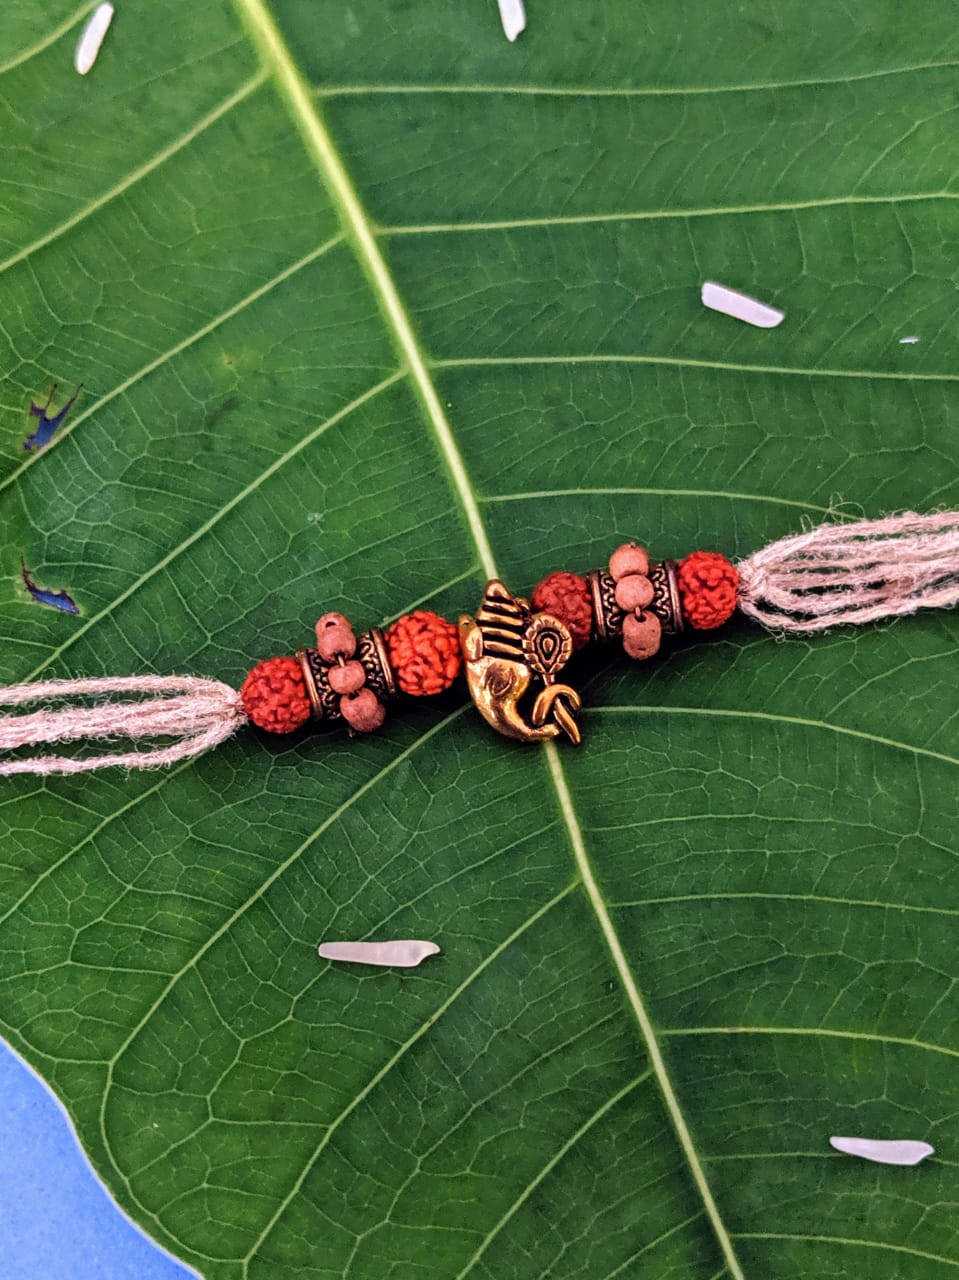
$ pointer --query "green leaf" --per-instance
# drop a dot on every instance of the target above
(367, 302)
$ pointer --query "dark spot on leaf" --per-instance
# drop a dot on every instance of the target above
(42, 595)
(228, 405)
(47, 427)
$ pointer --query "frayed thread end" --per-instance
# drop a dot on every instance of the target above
(850, 574)
(197, 714)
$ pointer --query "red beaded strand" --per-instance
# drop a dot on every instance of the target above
(567, 596)
(424, 652)
(274, 695)
(708, 585)
(420, 653)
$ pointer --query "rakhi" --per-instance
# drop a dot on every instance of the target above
(510, 653)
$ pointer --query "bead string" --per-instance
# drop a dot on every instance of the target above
(854, 572)
(424, 651)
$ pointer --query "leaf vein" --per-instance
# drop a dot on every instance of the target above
(690, 362)
(166, 356)
(652, 91)
(218, 515)
(550, 1165)
(784, 897)
(534, 494)
(138, 174)
(862, 1244)
(776, 718)
(46, 41)
(868, 1037)
(245, 906)
(400, 1052)
(650, 215)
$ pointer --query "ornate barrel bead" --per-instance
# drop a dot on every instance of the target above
(327, 683)
(608, 615)
(324, 700)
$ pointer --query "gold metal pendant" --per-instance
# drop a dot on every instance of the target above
(505, 645)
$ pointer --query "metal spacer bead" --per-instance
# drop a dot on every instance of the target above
(324, 703)
(666, 603)
(371, 651)
(607, 615)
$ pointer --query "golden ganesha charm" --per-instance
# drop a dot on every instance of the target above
(505, 646)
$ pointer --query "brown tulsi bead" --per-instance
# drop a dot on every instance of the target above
(634, 591)
(642, 636)
(363, 711)
(629, 558)
(347, 678)
(334, 637)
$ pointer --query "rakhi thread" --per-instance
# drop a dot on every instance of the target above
(848, 574)
(200, 714)
(512, 652)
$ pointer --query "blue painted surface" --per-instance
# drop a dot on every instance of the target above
(56, 1220)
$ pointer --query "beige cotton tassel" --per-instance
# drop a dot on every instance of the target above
(853, 573)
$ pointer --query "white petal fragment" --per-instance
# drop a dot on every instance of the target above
(883, 1151)
(718, 298)
(513, 17)
(910, 340)
(88, 46)
(400, 955)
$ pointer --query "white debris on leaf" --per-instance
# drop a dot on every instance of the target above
(88, 46)
(909, 340)
(732, 303)
(884, 1151)
(513, 17)
(406, 954)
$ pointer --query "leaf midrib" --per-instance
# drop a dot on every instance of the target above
(294, 90)
(275, 54)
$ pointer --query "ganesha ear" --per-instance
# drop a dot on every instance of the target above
(471, 638)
